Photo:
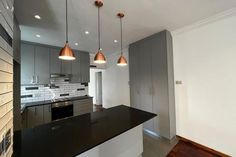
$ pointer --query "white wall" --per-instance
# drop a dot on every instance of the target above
(115, 81)
(205, 61)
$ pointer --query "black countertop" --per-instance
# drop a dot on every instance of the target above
(46, 102)
(73, 136)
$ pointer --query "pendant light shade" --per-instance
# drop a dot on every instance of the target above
(121, 61)
(66, 52)
(99, 57)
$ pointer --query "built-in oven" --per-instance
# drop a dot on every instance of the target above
(62, 110)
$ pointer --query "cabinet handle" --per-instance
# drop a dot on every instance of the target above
(37, 79)
(32, 79)
(35, 110)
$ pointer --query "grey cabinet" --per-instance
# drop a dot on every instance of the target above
(47, 115)
(134, 64)
(66, 67)
(39, 61)
(145, 76)
(55, 62)
(76, 75)
(34, 64)
(152, 81)
(83, 106)
(42, 75)
(84, 67)
(81, 67)
(34, 116)
(27, 63)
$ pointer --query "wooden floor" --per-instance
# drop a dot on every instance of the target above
(186, 149)
(159, 147)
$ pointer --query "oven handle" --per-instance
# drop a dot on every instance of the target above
(60, 105)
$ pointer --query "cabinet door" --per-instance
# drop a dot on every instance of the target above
(76, 69)
(85, 67)
(47, 115)
(42, 65)
(27, 63)
(83, 106)
(55, 62)
(145, 75)
(160, 84)
(66, 66)
(134, 76)
(24, 119)
(34, 116)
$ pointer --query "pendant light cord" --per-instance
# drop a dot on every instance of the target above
(66, 22)
(121, 36)
(99, 35)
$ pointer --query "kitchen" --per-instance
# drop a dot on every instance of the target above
(101, 78)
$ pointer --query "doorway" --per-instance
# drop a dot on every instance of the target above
(95, 86)
(98, 86)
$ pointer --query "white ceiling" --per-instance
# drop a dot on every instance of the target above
(143, 18)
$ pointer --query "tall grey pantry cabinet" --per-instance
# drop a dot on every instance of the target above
(152, 81)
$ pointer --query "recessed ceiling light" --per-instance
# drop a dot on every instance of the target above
(115, 41)
(86, 32)
(76, 44)
(37, 17)
(38, 36)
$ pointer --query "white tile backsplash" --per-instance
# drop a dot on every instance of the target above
(46, 93)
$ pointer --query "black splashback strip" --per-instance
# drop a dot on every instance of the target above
(26, 96)
(5, 35)
(66, 94)
(80, 89)
(31, 88)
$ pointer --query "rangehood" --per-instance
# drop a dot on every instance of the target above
(60, 75)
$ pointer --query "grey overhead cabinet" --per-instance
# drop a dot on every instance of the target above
(152, 81)
(42, 65)
(84, 66)
(66, 67)
(81, 68)
(27, 64)
(55, 62)
(39, 61)
(34, 64)
(76, 75)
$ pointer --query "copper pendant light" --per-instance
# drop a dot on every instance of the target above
(121, 61)
(99, 57)
(66, 52)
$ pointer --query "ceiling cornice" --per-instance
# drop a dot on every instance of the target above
(217, 17)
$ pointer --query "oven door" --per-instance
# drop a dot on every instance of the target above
(62, 110)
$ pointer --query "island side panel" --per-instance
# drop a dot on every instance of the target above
(128, 144)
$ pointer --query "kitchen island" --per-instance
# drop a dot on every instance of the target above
(115, 132)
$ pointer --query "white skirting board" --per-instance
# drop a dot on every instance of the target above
(128, 144)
